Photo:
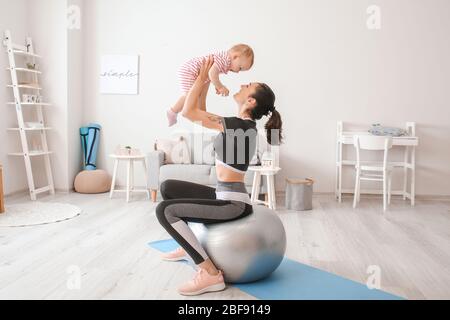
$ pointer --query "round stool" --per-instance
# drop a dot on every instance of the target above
(92, 182)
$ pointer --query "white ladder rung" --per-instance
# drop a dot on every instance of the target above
(371, 179)
(42, 190)
(26, 54)
(31, 154)
(30, 129)
(18, 47)
(24, 70)
(30, 104)
(371, 175)
(24, 86)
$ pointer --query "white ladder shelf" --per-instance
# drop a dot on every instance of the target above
(27, 52)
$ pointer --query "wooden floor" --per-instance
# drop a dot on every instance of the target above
(108, 244)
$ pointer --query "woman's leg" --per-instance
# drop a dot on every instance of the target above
(178, 107)
(174, 216)
(176, 189)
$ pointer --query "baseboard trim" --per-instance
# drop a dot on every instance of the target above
(279, 194)
(17, 193)
(26, 192)
(423, 197)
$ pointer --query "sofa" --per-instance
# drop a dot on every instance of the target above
(199, 169)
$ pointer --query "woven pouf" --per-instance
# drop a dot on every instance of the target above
(92, 182)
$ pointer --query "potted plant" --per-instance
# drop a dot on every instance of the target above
(31, 66)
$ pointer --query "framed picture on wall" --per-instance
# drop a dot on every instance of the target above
(119, 74)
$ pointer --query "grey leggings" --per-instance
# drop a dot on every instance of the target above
(189, 202)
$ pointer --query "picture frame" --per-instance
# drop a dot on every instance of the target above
(119, 74)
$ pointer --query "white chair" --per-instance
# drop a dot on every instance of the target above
(373, 171)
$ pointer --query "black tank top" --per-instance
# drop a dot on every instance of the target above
(236, 146)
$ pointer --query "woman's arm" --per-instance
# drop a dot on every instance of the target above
(214, 76)
(191, 109)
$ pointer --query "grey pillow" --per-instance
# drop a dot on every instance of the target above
(379, 130)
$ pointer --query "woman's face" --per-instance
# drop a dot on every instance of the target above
(246, 92)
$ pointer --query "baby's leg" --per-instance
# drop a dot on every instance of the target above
(173, 112)
(178, 107)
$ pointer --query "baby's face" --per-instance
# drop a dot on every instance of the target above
(240, 63)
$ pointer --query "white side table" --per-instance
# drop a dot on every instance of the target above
(130, 175)
(270, 174)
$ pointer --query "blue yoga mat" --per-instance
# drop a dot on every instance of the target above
(296, 281)
(90, 140)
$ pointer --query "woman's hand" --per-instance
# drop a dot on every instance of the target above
(204, 70)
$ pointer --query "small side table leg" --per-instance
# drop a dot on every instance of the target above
(405, 173)
(340, 173)
(413, 177)
(254, 187)
(258, 186)
(2, 199)
(132, 176)
(336, 181)
(252, 198)
(274, 195)
(146, 178)
(269, 191)
(128, 180)
(113, 183)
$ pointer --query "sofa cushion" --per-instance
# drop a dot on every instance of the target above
(209, 156)
(202, 147)
(193, 173)
(175, 151)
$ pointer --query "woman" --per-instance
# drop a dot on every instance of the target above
(234, 147)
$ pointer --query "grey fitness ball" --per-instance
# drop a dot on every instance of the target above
(248, 249)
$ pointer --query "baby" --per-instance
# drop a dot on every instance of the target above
(239, 58)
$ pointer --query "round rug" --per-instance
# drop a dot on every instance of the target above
(37, 213)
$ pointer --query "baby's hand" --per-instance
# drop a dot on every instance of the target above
(223, 91)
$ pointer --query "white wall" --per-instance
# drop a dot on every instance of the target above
(75, 94)
(48, 28)
(61, 48)
(14, 171)
(318, 56)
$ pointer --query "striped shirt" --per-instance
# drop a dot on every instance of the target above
(190, 70)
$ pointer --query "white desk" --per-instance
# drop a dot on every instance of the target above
(408, 164)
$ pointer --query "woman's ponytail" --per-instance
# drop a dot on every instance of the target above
(274, 128)
(265, 106)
